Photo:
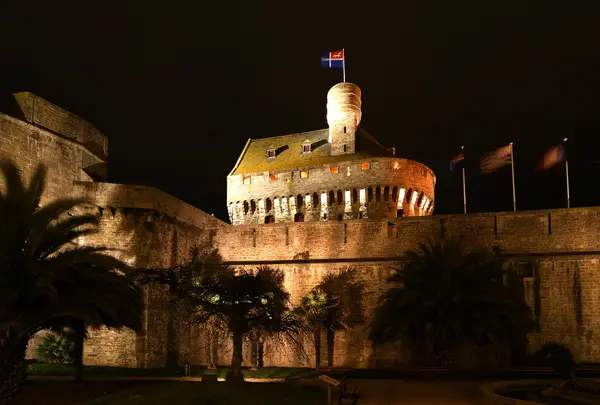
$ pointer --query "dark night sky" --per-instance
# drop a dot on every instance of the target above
(179, 86)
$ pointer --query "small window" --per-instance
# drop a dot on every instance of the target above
(272, 177)
(303, 174)
(344, 147)
(269, 219)
(306, 148)
(246, 179)
(396, 165)
(365, 165)
(344, 129)
(270, 153)
(299, 217)
(334, 169)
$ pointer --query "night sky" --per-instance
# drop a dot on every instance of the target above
(179, 86)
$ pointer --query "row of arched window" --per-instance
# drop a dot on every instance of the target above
(396, 194)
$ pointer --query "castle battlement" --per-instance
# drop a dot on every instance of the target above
(559, 231)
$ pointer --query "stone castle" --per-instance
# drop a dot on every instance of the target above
(310, 204)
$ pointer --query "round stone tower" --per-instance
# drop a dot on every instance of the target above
(343, 117)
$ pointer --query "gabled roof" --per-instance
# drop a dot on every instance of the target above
(289, 152)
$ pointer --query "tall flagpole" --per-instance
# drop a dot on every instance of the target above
(512, 166)
(464, 182)
(567, 174)
(344, 64)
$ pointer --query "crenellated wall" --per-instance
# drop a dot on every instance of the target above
(556, 252)
(369, 188)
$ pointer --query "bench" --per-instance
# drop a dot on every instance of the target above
(348, 395)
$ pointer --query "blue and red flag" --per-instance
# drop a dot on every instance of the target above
(333, 59)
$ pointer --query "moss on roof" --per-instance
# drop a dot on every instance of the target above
(289, 152)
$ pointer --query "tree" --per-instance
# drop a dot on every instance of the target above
(246, 301)
(46, 278)
(445, 296)
(344, 307)
(313, 309)
(334, 305)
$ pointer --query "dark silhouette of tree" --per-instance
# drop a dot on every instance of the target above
(313, 310)
(46, 278)
(248, 301)
(444, 296)
(334, 305)
(344, 307)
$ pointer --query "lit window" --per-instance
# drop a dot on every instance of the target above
(334, 169)
(306, 146)
(362, 197)
(272, 177)
(303, 174)
(401, 197)
(365, 165)
(270, 153)
(396, 165)
(246, 179)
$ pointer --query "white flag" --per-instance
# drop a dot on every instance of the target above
(497, 159)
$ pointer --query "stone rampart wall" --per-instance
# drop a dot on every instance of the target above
(44, 114)
(28, 146)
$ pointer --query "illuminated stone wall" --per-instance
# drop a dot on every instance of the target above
(388, 184)
(28, 145)
(561, 248)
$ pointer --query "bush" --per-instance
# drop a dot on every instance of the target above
(56, 348)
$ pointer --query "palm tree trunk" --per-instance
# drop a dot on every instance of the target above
(13, 371)
(235, 375)
(317, 337)
(209, 346)
(330, 346)
(261, 354)
(78, 339)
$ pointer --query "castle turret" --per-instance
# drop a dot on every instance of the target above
(343, 117)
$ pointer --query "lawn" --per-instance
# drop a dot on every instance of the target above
(196, 371)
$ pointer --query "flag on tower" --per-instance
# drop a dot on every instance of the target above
(333, 59)
(499, 158)
(552, 157)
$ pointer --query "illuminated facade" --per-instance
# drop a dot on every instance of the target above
(337, 173)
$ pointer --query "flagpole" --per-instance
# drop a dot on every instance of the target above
(512, 166)
(567, 174)
(344, 64)
(464, 183)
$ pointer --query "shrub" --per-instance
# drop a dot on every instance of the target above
(56, 348)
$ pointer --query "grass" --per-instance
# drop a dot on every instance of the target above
(183, 393)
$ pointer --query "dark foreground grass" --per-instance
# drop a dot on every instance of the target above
(194, 393)
(196, 371)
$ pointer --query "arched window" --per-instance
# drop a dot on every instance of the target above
(409, 194)
(354, 196)
(269, 206)
(299, 201)
(315, 199)
(340, 197)
(395, 194)
(378, 193)
(246, 207)
(420, 199)
(386, 193)
(252, 206)
(370, 194)
(299, 217)
(331, 197)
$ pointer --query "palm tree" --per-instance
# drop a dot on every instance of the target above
(313, 309)
(333, 305)
(445, 296)
(46, 278)
(247, 301)
(344, 307)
